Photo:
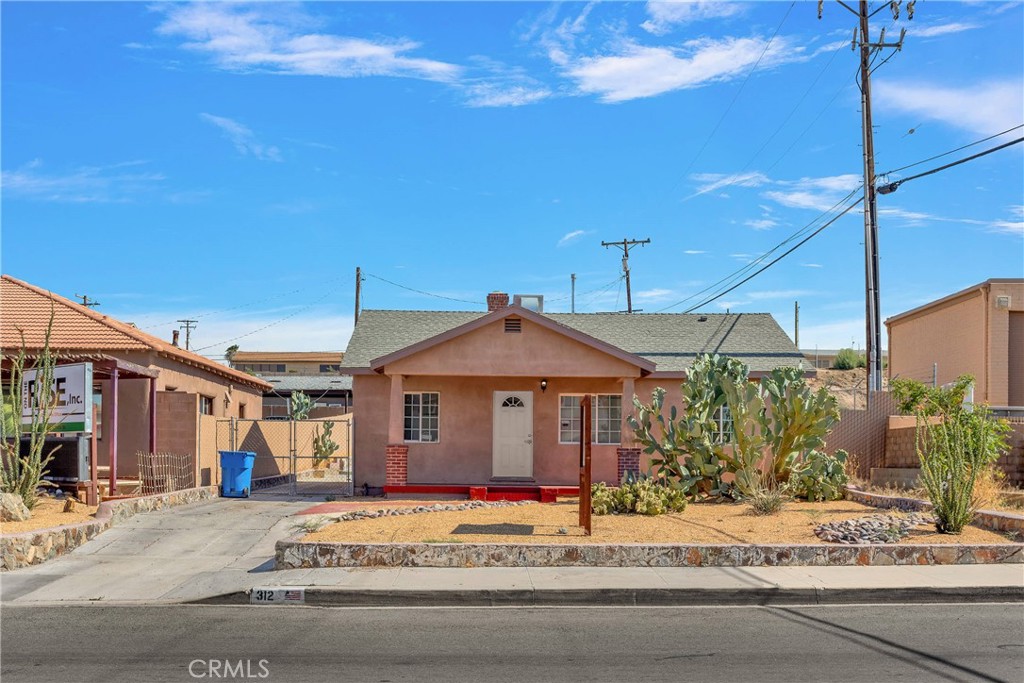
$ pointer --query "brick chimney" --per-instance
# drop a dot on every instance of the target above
(497, 301)
(174, 337)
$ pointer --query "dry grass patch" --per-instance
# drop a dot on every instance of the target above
(700, 523)
(49, 513)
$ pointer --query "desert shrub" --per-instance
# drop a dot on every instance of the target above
(954, 451)
(913, 397)
(848, 359)
(821, 477)
(642, 496)
(989, 487)
(767, 500)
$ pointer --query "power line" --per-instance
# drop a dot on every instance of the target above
(420, 291)
(776, 260)
(752, 264)
(737, 94)
(892, 187)
(952, 151)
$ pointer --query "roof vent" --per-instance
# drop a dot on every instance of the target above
(531, 302)
(702, 319)
(513, 325)
(1002, 301)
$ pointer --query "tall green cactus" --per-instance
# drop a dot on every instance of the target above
(797, 420)
(779, 416)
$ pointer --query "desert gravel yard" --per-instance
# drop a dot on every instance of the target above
(49, 513)
(699, 523)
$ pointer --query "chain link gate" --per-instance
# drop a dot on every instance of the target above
(294, 457)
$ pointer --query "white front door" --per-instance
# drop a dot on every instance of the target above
(513, 434)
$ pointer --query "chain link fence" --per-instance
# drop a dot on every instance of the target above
(297, 457)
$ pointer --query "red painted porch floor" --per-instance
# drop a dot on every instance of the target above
(403, 496)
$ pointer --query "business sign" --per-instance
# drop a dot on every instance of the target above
(72, 393)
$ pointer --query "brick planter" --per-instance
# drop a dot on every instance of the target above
(989, 519)
(396, 465)
(294, 554)
(35, 547)
(629, 461)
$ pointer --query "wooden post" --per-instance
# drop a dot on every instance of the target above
(585, 463)
(92, 496)
(113, 432)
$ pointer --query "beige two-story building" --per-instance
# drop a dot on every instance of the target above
(977, 331)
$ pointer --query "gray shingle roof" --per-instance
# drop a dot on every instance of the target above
(307, 383)
(671, 340)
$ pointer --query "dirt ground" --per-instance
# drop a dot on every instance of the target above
(848, 386)
(49, 512)
(699, 523)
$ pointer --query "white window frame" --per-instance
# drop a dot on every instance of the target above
(595, 433)
(724, 427)
(419, 419)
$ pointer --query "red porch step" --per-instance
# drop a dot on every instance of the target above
(543, 494)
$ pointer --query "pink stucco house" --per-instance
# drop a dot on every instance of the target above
(449, 399)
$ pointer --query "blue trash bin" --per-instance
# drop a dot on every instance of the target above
(236, 473)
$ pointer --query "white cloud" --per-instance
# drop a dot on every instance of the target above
(490, 94)
(761, 224)
(837, 334)
(243, 138)
(727, 305)
(812, 265)
(819, 194)
(694, 251)
(305, 332)
(778, 294)
(710, 182)
(665, 15)
(278, 39)
(939, 29)
(1013, 224)
(994, 105)
(571, 237)
(85, 184)
(655, 294)
(633, 71)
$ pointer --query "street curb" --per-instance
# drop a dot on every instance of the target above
(319, 596)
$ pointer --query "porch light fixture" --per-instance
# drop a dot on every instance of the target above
(543, 385)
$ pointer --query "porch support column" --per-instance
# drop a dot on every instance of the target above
(628, 454)
(114, 391)
(152, 415)
(396, 455)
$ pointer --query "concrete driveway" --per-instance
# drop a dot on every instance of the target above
(179, 554)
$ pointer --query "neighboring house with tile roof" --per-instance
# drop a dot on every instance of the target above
(452, 398)
(147, 371)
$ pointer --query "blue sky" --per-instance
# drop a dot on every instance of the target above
(234, 163)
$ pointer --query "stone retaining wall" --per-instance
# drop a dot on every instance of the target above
(294, 554)
(35, 547)
(989, 519)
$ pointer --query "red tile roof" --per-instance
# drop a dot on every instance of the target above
(25, 313)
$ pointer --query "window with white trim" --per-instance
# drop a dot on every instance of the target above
(606, 419)
(422, 417)
(723, 425)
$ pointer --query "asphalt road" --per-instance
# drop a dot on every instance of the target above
(188, 643)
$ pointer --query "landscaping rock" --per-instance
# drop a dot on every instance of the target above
(871, 529)
(12, 508)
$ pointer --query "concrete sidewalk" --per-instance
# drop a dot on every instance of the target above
(608, 586)
(218, 552)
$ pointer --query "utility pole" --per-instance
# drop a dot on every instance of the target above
(796, 324)
(359, 284)
(873, 336)
(86, 302)
(625, 244)
(573, 292)
(188, 325)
